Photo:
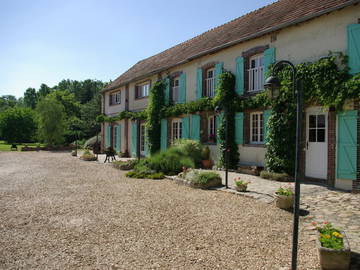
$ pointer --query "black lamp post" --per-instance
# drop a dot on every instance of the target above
(273, 85)
(218, 110)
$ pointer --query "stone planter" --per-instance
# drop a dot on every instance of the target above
(207, 163)
(331, 259)
(241, 188)
(284, 202)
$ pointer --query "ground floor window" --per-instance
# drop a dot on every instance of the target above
(256, 128)
(212, 128)
(176, 129)
(142, 138)
(115, 138)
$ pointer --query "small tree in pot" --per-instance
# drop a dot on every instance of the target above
(206, 161)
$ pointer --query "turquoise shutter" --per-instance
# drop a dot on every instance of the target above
(267, 115)
(185, 127)
(240, 75)
(199, 83)
(147, 152)
(195, 127)
(117, 138)
(167, 91)
(133, 139)
(218, 71)
(269, 58)
(353, 33)
(182, 82)
(107, 136)
(239, 128)
(163, 136)
(347, 145)
(218, 120)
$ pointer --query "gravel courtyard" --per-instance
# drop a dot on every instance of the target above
(58, 212)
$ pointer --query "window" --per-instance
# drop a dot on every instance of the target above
(212, 128)
(256, 73)
(115, 138)
(142, 90)
(142, 138)
(256, 127)
(210, 82)
(115, 98)
(176, 129)
(176, 89)
(317, 128)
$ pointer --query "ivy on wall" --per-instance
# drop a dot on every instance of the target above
(225, 96)
(153, 116)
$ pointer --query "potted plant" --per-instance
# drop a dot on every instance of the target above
(206, 162)
(333, 246)
(284, 196)
(240, 185)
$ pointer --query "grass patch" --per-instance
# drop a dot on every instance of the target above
(5, 147)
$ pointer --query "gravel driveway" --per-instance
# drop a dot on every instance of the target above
(58, 212)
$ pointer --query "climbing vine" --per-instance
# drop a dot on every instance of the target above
(153, 113)
(225, 96)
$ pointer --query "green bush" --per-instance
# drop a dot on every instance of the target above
(125, 165)
(202, 179)
(190, 148)
(137, 174)
(281, 177)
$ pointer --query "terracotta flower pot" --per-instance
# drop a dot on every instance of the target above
(283, 201)
(207, 163)
(241, 188)
(331, 259)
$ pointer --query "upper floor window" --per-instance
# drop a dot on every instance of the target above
(176, 129)
(210, 82)
(176, 90)
(115, 98)
(142, 90)
(256, 73)
(256, 127)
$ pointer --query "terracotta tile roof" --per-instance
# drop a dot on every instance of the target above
(259, 22)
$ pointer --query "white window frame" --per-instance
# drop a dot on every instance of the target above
(176, 90)
(210, 83)
(211, 126)
(115, 98)
(143, 90)
(256, 73)
(257, 128)
(142, 138)
(176, 129)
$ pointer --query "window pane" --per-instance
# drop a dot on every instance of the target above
(321, 135)
(321, 120)
(312, 121)
(312, 135)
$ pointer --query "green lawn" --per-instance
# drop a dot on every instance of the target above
(6, 147)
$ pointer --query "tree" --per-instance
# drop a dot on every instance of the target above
(67, 99)
(44, 90)
(89, 112)
(51, 120)
(7, 101)
(18, 125)
(30, 98)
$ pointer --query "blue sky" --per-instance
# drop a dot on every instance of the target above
(45, 41)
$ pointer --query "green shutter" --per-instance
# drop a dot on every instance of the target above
(163, 136)
(267, 115)
(240, 75)
(195, 127)
(182, 82)
(239, 128)
(118, 138)
(353, 32)
(167, 91)
(199, 83)
(107, 136)
(133, 140)
(147, 152)
(269, 58)
(347, 145)
(218, 71)
(185, 127)
(218, 120)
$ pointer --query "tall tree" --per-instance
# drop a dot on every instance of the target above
(7, 101)
(18, 125)
(51, 120)
(30, 98)
(44, 90)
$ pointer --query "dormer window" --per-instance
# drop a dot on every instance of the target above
(176, 90)
(115, 98)
(210, 82)
(256, 73)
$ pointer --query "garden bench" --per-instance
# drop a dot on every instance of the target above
(13, 147)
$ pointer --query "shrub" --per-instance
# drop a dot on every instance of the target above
(200, 179)
(190, 148)
(125, 165)
(282, 177)
(87, 156)
(137, 174)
